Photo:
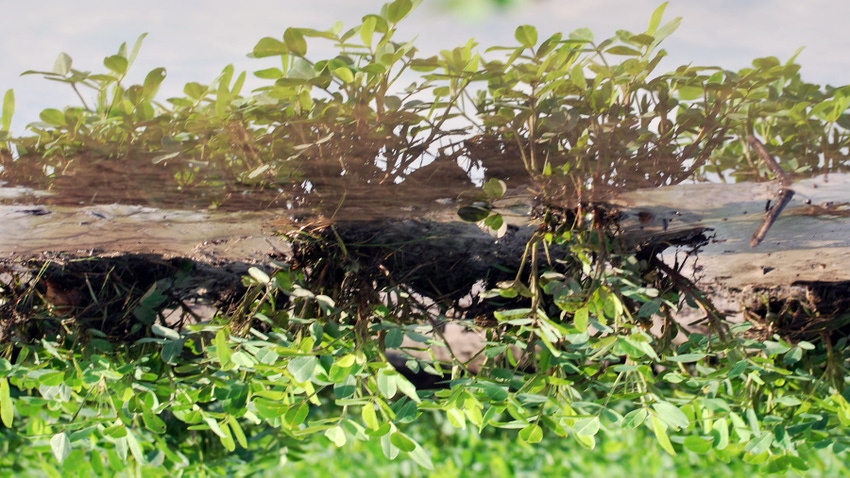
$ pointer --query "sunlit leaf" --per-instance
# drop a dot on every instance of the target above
(370, 418)
(259, 275)
(7, 409)
(421, 457)
(222, 349)
(671, 415)
(302, 367)
(336, 435)
(165, 332)
(587, 426)
(581, 318)
(660, 430)
(60, 445)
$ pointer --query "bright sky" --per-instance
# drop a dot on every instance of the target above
(195, 39)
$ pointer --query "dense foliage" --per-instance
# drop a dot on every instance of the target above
(570, 359)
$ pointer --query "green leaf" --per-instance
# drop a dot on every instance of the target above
(269, 73)
(222, 350)
(295, 41)
(336, 435)
(344, 74)
(153, 422)
(398, 9)
(655, 19)
(163, 331)
(532, 433)
(671, 415)
(237, 431)
(720, 432)
(526, 35)
(587, 426)
(51, 379)
(582, 34)
(686, 358)
(697, 444)
(60, 445)
(390, 451)
(268, 46)
(577, 77)
(689, 93)
(635, 418)
(62, 65)
(622, 50)
(171, 350)
(407, 388)
(495, 188)
(370, 418)
(581, 318)
(367, 30)
(387, 382)
(259, 275)
(52, 117)
(421, 457)
(8, 110)
(394, 338)
(116, 63)
(402, 442)
(667, 29)
(7, 410)
(759, 443)
(473, 213)
(296, 414)
(302, 367)
(660, 430)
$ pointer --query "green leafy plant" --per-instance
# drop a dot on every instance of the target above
(302, 358)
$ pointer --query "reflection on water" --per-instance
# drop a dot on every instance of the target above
(343, 179)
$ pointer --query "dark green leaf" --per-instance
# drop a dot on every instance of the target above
(495, 189)
(473, 213)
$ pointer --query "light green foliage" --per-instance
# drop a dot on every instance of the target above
(294, 367)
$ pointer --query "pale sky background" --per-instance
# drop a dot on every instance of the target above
(195, 39)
